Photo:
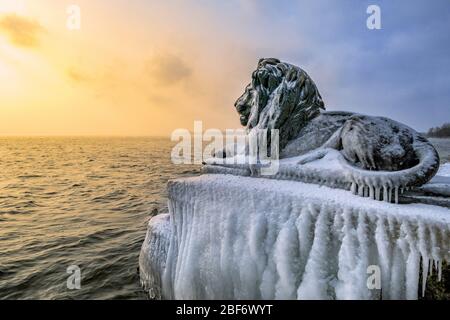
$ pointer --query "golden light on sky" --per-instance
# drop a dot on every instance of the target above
(9, 76)
(8, 6)
(118, 75)
(147, 67)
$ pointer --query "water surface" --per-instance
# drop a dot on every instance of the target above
(78, 201)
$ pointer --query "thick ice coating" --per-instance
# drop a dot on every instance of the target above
(234, 237)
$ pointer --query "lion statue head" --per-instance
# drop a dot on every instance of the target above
(280, 96)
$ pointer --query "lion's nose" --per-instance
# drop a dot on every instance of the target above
(240, 107)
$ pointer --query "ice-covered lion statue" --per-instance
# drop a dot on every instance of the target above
(377, 157)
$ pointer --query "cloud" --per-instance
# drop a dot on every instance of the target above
(160, 100)
(22, 31)
(168, 69)
(78, 76)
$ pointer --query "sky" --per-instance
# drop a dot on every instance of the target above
(147, 67)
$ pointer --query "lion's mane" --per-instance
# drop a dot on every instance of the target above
(280, 96)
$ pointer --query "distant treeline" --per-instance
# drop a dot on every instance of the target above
(440, 132)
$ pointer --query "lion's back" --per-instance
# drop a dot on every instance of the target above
(315, 133)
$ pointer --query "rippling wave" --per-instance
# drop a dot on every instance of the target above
(78, 201)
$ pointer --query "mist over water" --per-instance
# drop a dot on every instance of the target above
(78, 201)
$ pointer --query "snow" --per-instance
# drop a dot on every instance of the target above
(236, 237)
(440, 184)
(154, 253)
(444, 170)
(327, 166)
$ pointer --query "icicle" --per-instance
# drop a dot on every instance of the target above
(385, 194)
(353, 188)
(425, 264)
(361, 190)
(431, 267)
(270, 248)
(439, 267)
(396, 194)
(371, 192)
(389, 195)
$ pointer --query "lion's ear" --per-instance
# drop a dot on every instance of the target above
(273, 61)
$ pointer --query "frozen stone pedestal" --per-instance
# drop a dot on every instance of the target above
(234, 237)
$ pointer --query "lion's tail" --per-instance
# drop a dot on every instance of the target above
(386, 185)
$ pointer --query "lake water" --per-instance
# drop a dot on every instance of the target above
(82, 202)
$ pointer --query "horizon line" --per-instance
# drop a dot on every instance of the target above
(81, 136)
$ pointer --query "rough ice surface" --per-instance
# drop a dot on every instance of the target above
(327, 166)
(236, 237)
(440, 184)
(152, 259)
(444, 170)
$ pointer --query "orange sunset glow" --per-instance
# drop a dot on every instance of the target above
(120, 74)
(149, 67)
